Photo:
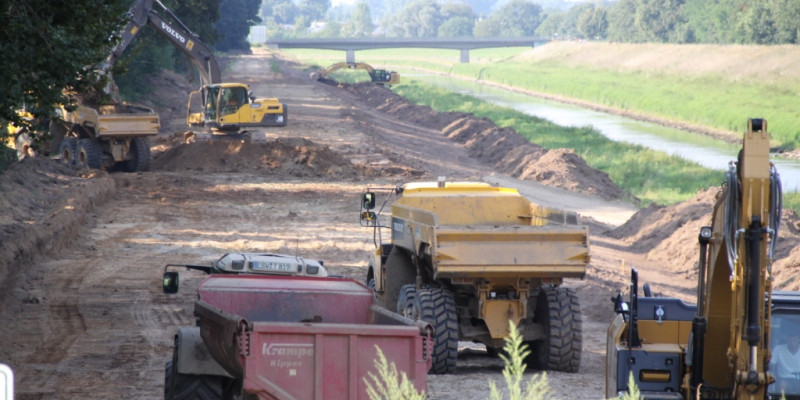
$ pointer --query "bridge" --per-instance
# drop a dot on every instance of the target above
(351, 45)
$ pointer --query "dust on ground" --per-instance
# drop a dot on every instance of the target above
(83, 251)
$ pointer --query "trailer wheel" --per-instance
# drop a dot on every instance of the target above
(68, 150)
(89, 154)
(190, 387)
(558, 310)
(407, 304)
(140, 155)
(438, 307)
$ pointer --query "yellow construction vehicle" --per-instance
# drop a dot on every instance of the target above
(467, 257)
(224, 108)
(721, 347)
(379, 76)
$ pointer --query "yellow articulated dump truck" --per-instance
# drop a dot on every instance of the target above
(468, 258)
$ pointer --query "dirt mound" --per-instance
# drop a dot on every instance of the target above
(295, 157)
(669, 235)
(502, 148)
(43, 202)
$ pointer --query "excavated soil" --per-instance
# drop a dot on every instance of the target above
(82, 252)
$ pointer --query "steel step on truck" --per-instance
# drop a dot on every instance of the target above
(468, 257)
(275, 327)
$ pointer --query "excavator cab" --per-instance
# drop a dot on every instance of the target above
(230, 107)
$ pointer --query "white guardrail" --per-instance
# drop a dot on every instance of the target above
(6, 383)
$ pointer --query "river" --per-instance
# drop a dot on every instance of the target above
(704, 150)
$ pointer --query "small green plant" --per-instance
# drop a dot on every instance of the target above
(274, 66)
(389, 384)
(517, 351)
(633, 390)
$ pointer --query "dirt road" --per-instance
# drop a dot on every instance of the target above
(82, 309)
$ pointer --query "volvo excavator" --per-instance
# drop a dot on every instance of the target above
(225, 108)
(379, 76)
(727, 345)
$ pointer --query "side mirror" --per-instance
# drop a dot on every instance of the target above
(251, 96)
(368, 201)
(170, 283)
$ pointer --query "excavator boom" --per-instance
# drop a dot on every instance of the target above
(143, 14)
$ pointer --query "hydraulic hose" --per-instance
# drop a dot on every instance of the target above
(731, 222)
(776, 205)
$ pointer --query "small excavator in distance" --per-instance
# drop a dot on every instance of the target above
(722, 347)
(379, 76)
(225, 108)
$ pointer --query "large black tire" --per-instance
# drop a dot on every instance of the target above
(438, 307)
(407, 304)
(89, 154)
(399, 271)
(68, 151)
(559, 312)
(190, 387)
(140, 155)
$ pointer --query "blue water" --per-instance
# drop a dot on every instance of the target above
(706, 151)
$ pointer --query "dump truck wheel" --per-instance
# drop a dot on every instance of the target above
(558, 310)
(407, 304)
(140, 155)
(89, 154)
(190, 387)
(68, 150)
(399, 271)
(438, 307)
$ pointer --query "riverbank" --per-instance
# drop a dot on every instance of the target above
(700, 88)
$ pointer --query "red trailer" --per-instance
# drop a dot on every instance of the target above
(279, 337)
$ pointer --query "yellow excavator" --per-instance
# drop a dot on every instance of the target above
(225, 108)
(722, 347)
(379, 76)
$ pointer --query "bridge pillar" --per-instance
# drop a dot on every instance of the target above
(350, 56)
(465, 56)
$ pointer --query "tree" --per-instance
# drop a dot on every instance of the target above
(487, 27)
(592, 23)
(456, 27)
(49, 46)
(360, 23)
(516, 18)
(236, 18)
(314, 10)
(418, 19)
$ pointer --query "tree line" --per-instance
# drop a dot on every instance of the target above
(635, 21)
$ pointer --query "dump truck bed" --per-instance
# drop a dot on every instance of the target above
(305, 338)
(556, 251)
(118, 120)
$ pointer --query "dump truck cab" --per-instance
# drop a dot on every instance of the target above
(468, 258)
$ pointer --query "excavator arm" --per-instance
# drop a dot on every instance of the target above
(734, 304)
(142, 14)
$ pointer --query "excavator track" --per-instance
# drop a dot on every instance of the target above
(207, 137)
